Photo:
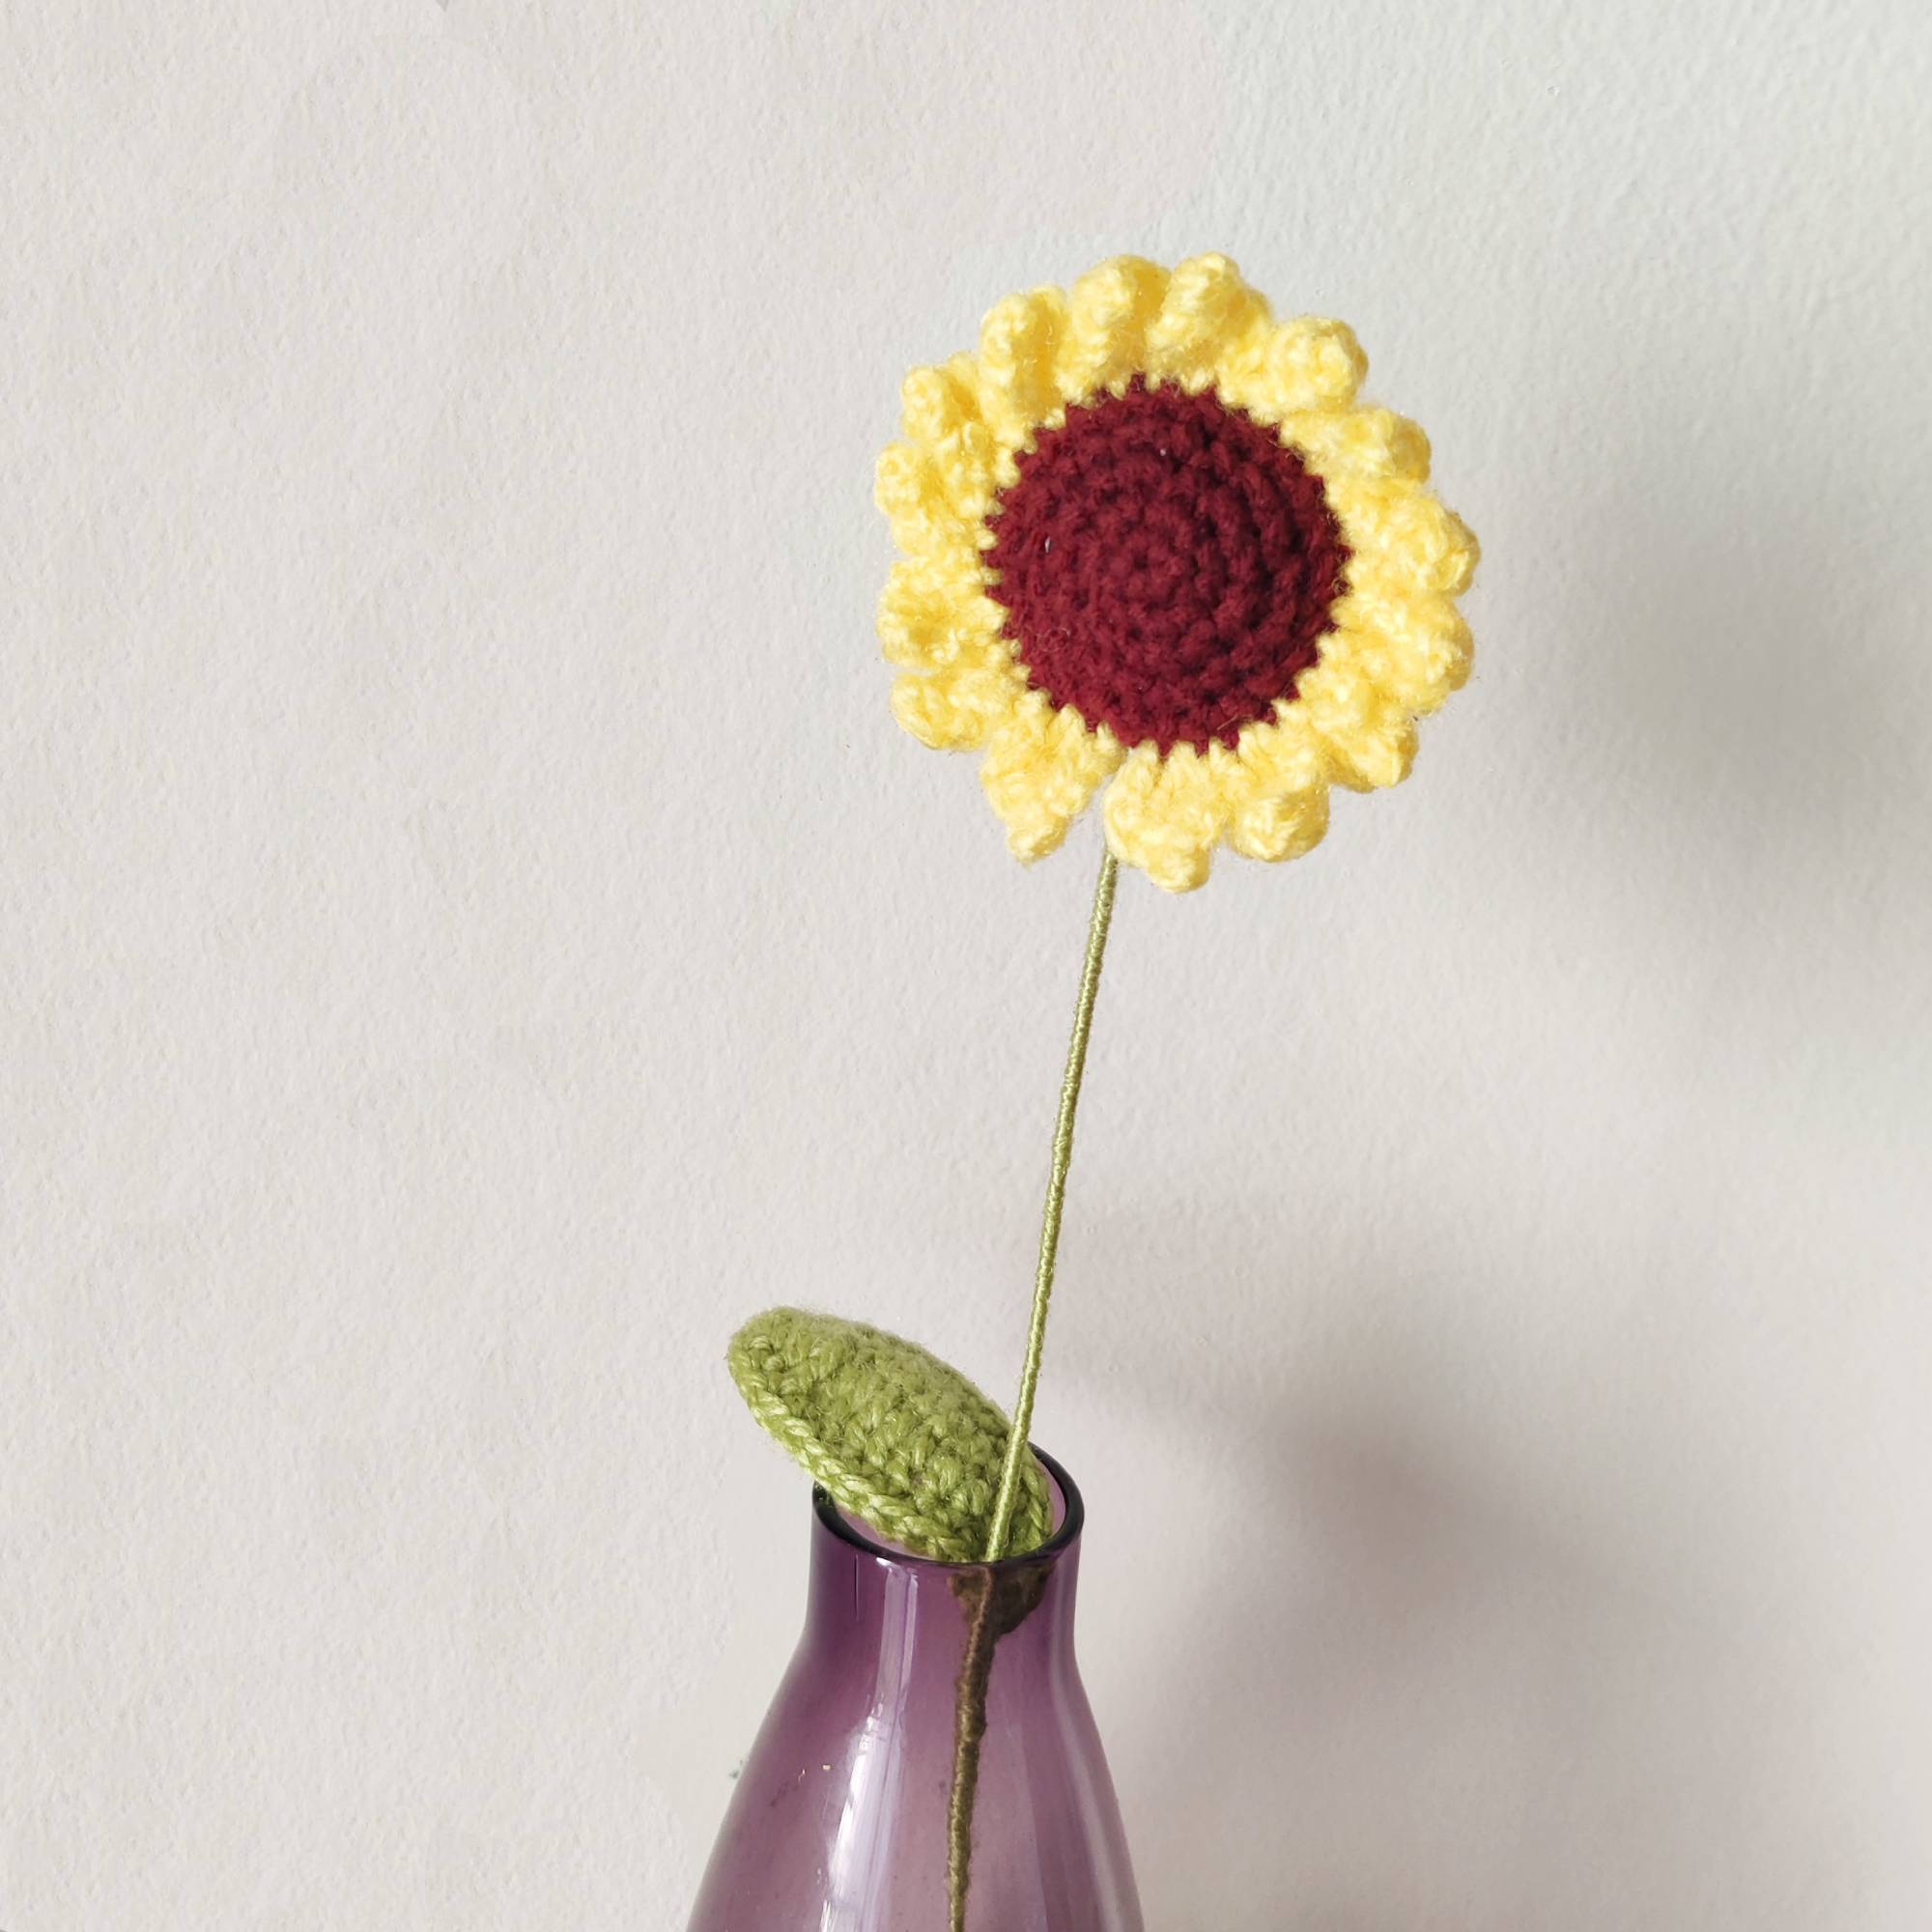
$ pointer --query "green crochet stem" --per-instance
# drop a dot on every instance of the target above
(1016, 1457)
(980, 1590)
(909, 1445)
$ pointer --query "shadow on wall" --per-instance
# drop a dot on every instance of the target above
(1400, 1701)
(1713, 619)
(1395, 1708)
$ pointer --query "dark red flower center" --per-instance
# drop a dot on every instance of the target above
(1167, 565)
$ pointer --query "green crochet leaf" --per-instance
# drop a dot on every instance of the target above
(896, 1437)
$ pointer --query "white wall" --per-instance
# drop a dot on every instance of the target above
(472, 934)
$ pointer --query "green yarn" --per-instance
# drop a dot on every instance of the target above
(1097, 922)
(897, 1437)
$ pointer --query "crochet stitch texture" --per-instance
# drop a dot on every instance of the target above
(1168, 566)
(1213, 641)
(895, 1435)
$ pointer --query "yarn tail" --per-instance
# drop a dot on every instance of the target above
(969, 1726)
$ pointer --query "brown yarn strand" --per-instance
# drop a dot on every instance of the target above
(969, 1727)
(996, 1602)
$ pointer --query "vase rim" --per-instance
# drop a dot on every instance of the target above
(1071, 1523)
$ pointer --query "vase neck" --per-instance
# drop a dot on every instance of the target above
(846, 1816)
(866, 1594)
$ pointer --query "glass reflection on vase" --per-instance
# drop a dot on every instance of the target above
(844, 1817)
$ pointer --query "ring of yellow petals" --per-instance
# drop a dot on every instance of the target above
(1396, 647)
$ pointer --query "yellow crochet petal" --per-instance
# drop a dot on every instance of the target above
(1308, 365)
(933, 615)
(953, 710)
(1207, 307)
(940, 410)
(912, 494)
(1015, 375)
(1403, 540)
(938, 403)
(1164, 814)
(1418, 649)
(1104, 341)
(935, 609)
(1369, 737)
(1374, 444)
(1286, 826)
(1282, 753)
(1042, 768)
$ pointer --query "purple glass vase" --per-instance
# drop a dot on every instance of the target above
(845, 1818)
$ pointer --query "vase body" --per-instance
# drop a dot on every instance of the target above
(839, 1818)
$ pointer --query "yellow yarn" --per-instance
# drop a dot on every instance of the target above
(1396, 648)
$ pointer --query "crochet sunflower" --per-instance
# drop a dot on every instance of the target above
(1151, 542)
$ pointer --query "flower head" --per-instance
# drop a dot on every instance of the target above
(1152, 543)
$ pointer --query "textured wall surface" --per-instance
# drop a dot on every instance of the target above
(471, 934)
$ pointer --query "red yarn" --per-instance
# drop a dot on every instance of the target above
(1167, 565)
